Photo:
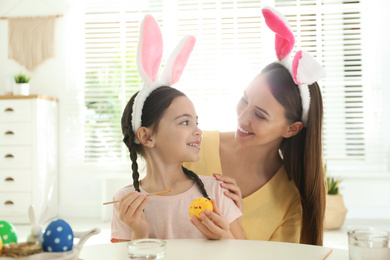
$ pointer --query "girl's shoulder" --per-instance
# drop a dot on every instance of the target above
(211, 184)
(123, 191)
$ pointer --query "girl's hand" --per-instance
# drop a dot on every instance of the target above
(216, 228)
(130, 211)
(234, 191)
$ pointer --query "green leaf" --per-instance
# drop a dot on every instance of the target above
(21, 78)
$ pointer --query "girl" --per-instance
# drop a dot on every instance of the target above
(272, 164)
(160, 123)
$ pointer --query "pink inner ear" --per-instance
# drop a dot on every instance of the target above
(152, 47)
(181, 59)
(295, 64)
(284, 38)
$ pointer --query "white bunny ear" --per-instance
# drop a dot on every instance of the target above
(31, 214)
(178, 61)
(150, 49)
(305, 69)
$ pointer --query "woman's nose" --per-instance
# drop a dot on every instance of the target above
(243, 115)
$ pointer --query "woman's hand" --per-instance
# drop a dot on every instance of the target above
(130, 211)
(213, 225)
(234, 191)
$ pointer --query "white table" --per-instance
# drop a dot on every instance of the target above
(196, 249)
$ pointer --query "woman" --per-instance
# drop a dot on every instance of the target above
(274, 159)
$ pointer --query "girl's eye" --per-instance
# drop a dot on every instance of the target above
(244, 99)
(185, 122)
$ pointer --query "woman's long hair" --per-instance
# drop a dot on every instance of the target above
(302, 153)
(154, 107)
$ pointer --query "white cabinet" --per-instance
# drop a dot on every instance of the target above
(28, 156)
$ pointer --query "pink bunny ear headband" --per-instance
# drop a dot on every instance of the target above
(304, 68)
(149, 55)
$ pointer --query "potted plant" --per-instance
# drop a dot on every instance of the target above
(22, 86)
(335, 210)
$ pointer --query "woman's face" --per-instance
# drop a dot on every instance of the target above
(261, 118)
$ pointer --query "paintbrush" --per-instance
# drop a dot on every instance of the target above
(150, 194)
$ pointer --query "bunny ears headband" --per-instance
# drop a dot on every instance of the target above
(304, 68)
(149, 55)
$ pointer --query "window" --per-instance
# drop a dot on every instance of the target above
(233, 44)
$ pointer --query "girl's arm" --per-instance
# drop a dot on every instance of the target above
(214, 226)
(130, 211)
(237, 230)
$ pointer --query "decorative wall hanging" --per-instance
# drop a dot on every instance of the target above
(31, 39)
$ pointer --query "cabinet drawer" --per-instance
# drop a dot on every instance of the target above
(15, 157)
(15, 110)
(14, 203)
(15, 180)
(15, 133)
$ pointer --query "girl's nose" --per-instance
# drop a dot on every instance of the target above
(197, 131)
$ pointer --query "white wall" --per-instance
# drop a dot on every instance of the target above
(366, 195)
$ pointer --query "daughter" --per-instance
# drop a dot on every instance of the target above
(160, 123)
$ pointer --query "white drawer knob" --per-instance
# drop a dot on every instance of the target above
(9, 179)
(8, 109)
(9, 202)
(9, 133)
(9, 156)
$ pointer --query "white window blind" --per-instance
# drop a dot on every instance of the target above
(233, 45)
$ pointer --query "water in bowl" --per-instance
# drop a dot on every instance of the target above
(146, 249)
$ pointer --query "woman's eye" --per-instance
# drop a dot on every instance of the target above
(185, 122)
(259, 116)
(244, 99)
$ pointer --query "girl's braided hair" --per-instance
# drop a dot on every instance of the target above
(154, 107)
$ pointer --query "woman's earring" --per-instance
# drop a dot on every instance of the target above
(152, 145)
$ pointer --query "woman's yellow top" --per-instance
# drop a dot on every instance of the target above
(273, 212)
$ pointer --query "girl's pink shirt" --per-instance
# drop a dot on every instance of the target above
(167, 216)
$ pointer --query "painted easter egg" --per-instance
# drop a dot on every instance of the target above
(1, 245)
(58, 237)
(198, 206)
(7, 232)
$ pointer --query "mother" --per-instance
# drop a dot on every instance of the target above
(272, 164)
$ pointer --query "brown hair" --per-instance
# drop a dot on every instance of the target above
(302, 153)
(153, 110)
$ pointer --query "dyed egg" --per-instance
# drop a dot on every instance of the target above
(7, 232)
(198, 206)
(1, 245)
(58, 237)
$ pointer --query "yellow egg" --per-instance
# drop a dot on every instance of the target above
(198, 206)
(1, 244)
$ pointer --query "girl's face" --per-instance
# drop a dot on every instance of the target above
(261, 118)
(178, 136)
